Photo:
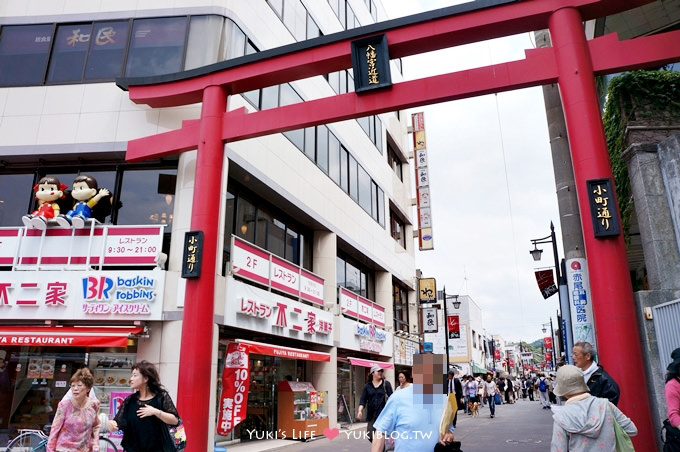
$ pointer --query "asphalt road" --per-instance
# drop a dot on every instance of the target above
(519, 427)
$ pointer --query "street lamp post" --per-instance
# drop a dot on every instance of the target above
(561, 282)
(456, 305)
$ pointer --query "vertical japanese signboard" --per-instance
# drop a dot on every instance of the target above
(193, 249)
(371, 64)
(453, 326)
(603, 208)
(235, 385)
(425, 241)
(580, 301)
(427, 290)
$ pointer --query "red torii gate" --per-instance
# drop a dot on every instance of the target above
(572, 62)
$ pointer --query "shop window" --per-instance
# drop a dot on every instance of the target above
(23, 54)
(397, 229)
(322, 148)
(394, 161)
(277, 6)
(310, 142)
(353, 178)
(344, 169)
(146, 197)
(107, 50)
(246, 214)
(313, 30)
(270, 97)
(364, 182)
(201, 48)
(334, 158)
(277, 239)
(156, 46)
(69, 52)
(381, 207)
(12, 206)
(234, 41)
(355, 277)
(400, 307)
(266, 228)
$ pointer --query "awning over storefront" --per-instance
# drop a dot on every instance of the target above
(51, 336)
(369, 363)
(284, 352)
(478, 369)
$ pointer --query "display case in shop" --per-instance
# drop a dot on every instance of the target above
(111, 373)
(302, 410)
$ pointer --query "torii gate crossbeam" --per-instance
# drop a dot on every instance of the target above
(572, 62)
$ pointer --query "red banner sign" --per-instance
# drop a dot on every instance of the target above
(548, 356)
(546, 283)
(235, 385)
(497, 355)
(512, 363)
(454, 326)
(548, 342)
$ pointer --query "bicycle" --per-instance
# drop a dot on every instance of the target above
(36, 441)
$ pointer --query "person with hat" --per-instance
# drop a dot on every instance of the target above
(584, 423)
(672, 394)
(373, 398)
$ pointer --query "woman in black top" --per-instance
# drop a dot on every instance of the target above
(145, 415)
(373, 398)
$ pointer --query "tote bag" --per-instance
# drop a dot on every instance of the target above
(623, 442)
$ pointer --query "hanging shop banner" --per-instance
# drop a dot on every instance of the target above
(423, 204)
(453, 326)
(578, 285)
(603, 210)
(497, 355)
(427, 290)
(548, 343)
(235, 385)
(257, 265)
(360, 308)
(429, 320)
(546, 283)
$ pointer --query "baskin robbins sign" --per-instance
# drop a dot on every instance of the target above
(77, 295)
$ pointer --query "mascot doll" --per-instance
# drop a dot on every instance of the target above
(86, 195)
(47, 192)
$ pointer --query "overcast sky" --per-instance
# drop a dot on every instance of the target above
(492, 187)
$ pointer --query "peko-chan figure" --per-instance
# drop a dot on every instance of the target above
(47, 192)
(86, 194)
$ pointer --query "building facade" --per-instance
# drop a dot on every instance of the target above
(328, 207)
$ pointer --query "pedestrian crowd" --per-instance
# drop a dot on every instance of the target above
(582, 399)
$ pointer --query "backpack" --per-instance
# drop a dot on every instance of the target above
(542, 386)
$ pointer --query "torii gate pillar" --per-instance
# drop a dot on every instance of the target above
(614, 306)
(198, 322)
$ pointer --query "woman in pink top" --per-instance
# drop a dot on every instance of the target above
(75, 427)
(672, 389)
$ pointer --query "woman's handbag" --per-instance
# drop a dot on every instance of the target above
(623, 442)
(670, 436)
(178, 436)
(497, 399)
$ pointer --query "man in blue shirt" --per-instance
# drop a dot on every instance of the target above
(412, 416)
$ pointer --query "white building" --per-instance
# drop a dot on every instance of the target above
(332, 203)
(467, 351)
